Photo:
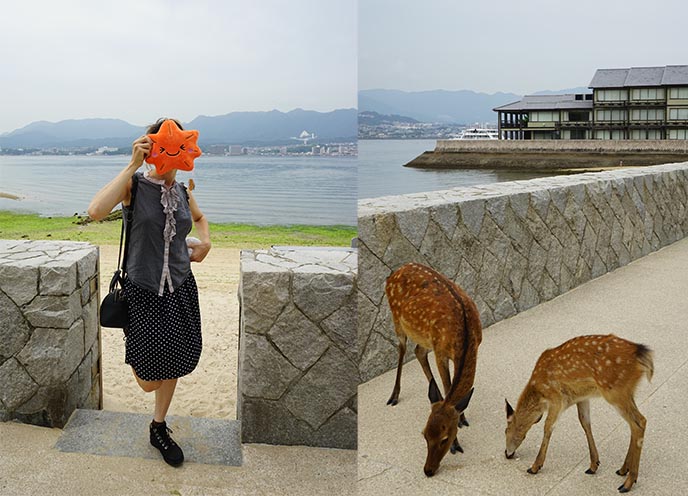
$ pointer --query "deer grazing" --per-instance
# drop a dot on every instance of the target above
(579, 369)
(437, 315)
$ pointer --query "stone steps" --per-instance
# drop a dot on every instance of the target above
(101, 432)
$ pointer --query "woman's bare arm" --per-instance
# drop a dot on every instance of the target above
(201, 223)
(119, 189)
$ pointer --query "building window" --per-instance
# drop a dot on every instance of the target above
(610, 115)
(678, 134)
(679, 93)
(647, 94)
(647, 114)
(678, 114)
(611, 95)
(609, 135)
(646, 134)
(577, 116)
(544, 116)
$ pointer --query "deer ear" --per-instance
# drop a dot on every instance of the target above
(509, 411)
(463, 402)
(434, 392)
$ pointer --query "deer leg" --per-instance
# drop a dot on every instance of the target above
(637, 423)
(443, 368)
(584, 418)
(394, 399)
(422, 356)
(552, 416)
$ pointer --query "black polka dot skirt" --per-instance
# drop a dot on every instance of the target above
(164, 336)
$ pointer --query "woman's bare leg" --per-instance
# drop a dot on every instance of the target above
(163, 398)
(147, 386)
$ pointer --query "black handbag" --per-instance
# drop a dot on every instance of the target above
(114, 309)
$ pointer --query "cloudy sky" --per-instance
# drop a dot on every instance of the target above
(513, 46)
(138, 60)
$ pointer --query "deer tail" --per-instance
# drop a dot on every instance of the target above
(644, 356)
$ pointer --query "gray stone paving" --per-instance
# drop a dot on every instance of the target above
(203, 440)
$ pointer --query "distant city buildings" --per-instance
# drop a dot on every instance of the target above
(639, 103)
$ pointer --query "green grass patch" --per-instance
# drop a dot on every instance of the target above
(31, 226)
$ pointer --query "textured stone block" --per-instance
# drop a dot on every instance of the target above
(54, 311)
(265, 296)
(89, 316)
(319, 295)
(298, 376)
(298, 339)
(265, 372)
(57, 278)
(52, 355)
(48, 329)
(17, 386)
(19, 282)
(14, 330)
(324, 389)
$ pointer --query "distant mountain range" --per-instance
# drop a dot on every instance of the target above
(370, 118)
(457, 107)
(236, 128)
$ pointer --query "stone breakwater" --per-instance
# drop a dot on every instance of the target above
(513, 245)
(49, 331)
(298, 371)
(550, 154)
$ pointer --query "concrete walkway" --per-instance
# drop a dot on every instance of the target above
(30, 465)
(646, 301)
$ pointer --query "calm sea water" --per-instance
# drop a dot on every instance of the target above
(249, 189)
(381, 171)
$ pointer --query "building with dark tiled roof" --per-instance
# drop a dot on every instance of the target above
(635, 103)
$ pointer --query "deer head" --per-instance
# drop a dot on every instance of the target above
(441, 427)
(517, 426)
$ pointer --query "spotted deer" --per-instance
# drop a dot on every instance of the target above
(581, 368)
(437, 315)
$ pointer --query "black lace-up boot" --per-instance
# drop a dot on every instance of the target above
(160, 438)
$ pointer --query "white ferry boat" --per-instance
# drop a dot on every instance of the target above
(479, 134)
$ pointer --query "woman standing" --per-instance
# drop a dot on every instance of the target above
(164, 337)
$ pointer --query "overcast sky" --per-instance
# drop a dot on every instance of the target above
(138, 60)
(513, 46)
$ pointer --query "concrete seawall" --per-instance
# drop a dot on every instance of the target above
(550, 154)
(513, 245)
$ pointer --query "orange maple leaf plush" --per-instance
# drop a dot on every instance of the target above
(173, 148)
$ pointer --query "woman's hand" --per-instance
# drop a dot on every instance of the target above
(199, 252)
(140, 149)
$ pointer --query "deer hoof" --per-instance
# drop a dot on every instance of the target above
(622, 471)
(465, 422)
(455, 447)
(590, 471)
(623, 489)
(533, 470)
(392, 401)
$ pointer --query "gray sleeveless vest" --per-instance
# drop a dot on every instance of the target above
(158, 255)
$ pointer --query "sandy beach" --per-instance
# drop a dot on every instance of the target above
(210, 390)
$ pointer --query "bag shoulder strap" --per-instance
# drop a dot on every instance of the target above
(129, 219)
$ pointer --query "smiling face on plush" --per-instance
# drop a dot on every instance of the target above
(173, 148)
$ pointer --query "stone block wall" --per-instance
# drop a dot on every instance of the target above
(298, 371)
(513, 245)
(49, 331)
